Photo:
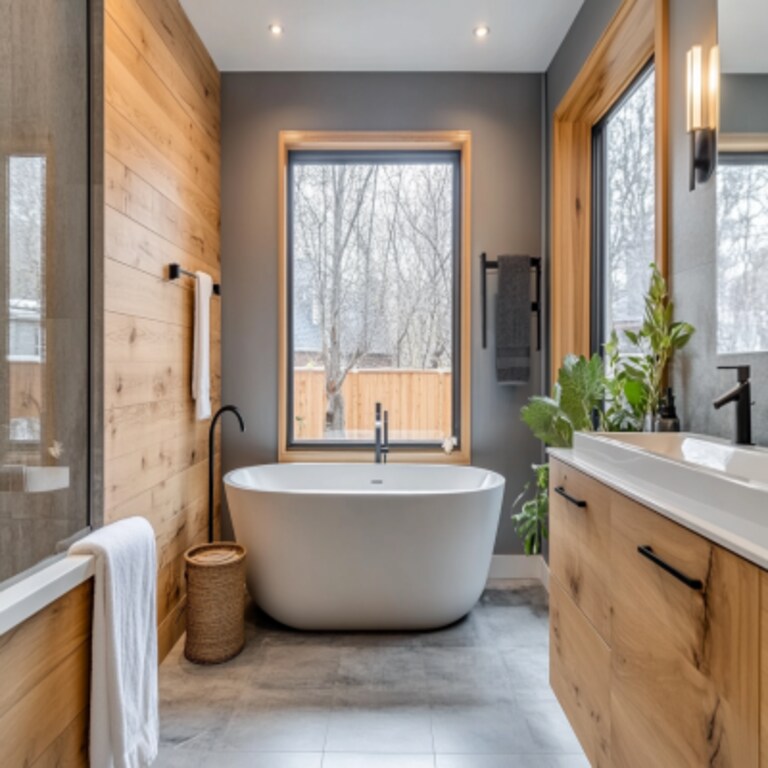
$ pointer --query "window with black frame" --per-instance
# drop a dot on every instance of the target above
(623, 212)
(373, 288)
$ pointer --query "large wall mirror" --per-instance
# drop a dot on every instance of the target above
(742, 178)
(47, 316)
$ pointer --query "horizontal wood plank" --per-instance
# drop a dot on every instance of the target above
(133, 245)
(182, 40)
(133, 88)
(70, 748)
(149, 361)
(172, 628)
(131, 474)
(128, 145)
(31, 651)
(178, 68)
(37, 719)
(128, 193)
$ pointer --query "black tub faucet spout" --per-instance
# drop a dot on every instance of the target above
(234, 409)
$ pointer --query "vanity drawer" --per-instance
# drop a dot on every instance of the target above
(685, 646)
(580, 675)
(580, 542)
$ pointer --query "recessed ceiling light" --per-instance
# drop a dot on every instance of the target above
(276, 30)
(482, 31)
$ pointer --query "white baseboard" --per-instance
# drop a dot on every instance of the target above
(520, 567)
(544, 575)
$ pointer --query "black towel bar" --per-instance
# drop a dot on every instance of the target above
(175, 271)
(485, 265)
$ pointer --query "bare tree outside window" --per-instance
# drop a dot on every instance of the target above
(742, 255)
(630, 204)
(373, 246)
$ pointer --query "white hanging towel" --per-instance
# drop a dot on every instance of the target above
(125, 727)
(201, 360)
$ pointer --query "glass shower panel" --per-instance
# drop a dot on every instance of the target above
(44, 268)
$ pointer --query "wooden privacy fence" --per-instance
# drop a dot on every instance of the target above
(419, 402)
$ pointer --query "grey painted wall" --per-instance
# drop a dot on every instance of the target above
(504, 114)
(744, 104)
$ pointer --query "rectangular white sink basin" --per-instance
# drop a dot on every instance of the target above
(709, 485)
(741, 462)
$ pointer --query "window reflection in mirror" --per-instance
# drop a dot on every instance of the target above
(742, 179)
(742, 253)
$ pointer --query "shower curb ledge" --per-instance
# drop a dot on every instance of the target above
(25, 598)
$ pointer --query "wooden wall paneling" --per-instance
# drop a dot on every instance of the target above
(134, 90)
(162, 200)
(171, 628)
(126, 476)
(45, 669)
(174, 52)
(126, 191)
(638, 31)
(140, 248)
(180, 37)
(150, 361)
(127, 144)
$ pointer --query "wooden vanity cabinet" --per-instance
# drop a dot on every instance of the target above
(674, 678)
(685, 646)
(580, 674)
(580, 551)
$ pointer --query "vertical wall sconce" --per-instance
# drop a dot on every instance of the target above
(703, 112)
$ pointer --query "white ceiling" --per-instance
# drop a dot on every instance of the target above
(388, 35)
(743, 35)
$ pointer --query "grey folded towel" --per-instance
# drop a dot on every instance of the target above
(513, 320)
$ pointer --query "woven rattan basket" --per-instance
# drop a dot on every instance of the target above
(215, 602)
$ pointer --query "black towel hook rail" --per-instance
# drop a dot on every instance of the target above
(485, 265)
(175, 271)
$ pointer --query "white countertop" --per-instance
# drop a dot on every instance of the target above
(730, 511)
(31, 594)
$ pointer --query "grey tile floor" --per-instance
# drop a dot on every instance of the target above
(473, 695)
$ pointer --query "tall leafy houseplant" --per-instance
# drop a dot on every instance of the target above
(635, 383)
(574, 405)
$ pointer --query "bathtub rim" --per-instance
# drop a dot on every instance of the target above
(498, 480)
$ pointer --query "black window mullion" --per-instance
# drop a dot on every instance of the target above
(381, 157)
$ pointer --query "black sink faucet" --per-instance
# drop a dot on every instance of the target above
(741, 394)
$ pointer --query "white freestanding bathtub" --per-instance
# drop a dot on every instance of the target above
(365, 546)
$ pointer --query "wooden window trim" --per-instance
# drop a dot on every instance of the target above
(424, 140)
(638, 32)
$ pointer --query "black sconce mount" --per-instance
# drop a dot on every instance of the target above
(703, 155)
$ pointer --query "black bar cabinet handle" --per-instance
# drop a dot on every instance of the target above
(695, 584)
(576, 502)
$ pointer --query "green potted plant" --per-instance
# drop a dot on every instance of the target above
(620, 394)
(575, 403)
(636, 380)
